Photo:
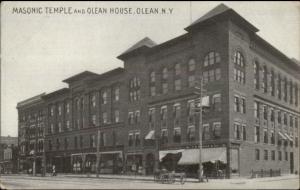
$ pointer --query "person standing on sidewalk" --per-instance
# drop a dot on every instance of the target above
(53, 171)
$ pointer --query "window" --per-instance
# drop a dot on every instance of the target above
(134, 89)
(191, 80)
(266, 154)
(75, 143)
(243, 105)
(116, 94)
(59, 127)
(244, 136)
(279, 117)
(256, 75)
(279, 87)
(256, 134)
(93, 100)
(285, 89)
(104, 118)
(192, 65)
(191, 133)
(212, 58)
(92, 141)
(104, 97)
(68, 107)
(265, 136)
(272, 138)
(177, 84)
(272, 86)
(51, 128)
(164, 88)
(272, 115)
(102, 139)
(117, 116)
(216, 102)
(265, 111)
(291, 121)
(52, 111)
(239, 69)
(152, 91)
(286, 156)
(257, 156)
(93, 120)
(256, 109)
(273, 155)
(284, 118)
(217, 130)
(68, 124)
(137, 139)
(137, 116)
(59, 110)
(165, 74)
(130, 118)
(152, 77)
(205, 77)
(296, 141)
(291, 92)
(237, 131)
(177, 69)
(218, 74)
(151, 115)
(164, 136)
(177, 135)
(279, 155)
(206, 133)
(50, 145)
(236, 104)
(57, 144)
(130, 139)
(296, 95)
(163, 113)
(176, 112)
(265, 79)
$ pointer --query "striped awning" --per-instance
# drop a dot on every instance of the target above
(291, 139)
(191, 156)
(150, 135)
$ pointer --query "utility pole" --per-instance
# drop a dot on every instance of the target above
(198, 92)
(98, 154)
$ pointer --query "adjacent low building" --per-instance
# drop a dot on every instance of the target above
(8, 154)
(143, 115)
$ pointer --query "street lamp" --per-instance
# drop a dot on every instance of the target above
(198, 109)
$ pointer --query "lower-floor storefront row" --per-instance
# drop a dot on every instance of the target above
(217, 161)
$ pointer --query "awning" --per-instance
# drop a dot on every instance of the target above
(31, 152)
(191, 156)
(282, 136)
(150, 135)
(163, 153)
(288, 137)
(205, 101)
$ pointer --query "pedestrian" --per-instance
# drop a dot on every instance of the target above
(53, 171)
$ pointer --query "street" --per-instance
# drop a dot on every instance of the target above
(63, 182)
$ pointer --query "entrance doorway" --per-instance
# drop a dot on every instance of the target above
(149, 164)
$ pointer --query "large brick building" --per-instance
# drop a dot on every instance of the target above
(144, 111)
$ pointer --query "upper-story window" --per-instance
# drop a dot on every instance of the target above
(93, 100)
(177, 69)
(164, 88)
(52, 110)
(296, 95)
(104, 117)
(116, 93)
(152, 90)
(104, 97)
(176, 114)
(279, 117)
(134, 89)
(177, 84)
(163, 115)
(116, 116)
(272, 86)
(165, 73)
(291, 92)
(191, 65)
(216, 102)
(285, 89)
(191, 80)
(265, 111)
(265, 79)
(212, 58)
(256, 109)
(239, 67)
(279, 86)
(256, 74)
(152, 76)
(151, 116)
(59, 109)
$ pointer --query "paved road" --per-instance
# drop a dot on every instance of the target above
(29, 182)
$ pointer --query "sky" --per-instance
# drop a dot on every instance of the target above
(40, 50)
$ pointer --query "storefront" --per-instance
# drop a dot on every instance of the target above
(134, 163)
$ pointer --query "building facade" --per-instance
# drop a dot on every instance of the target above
(8, 154)
(143, 115)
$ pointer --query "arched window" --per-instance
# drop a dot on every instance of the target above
(212, 58)
(191, 65)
